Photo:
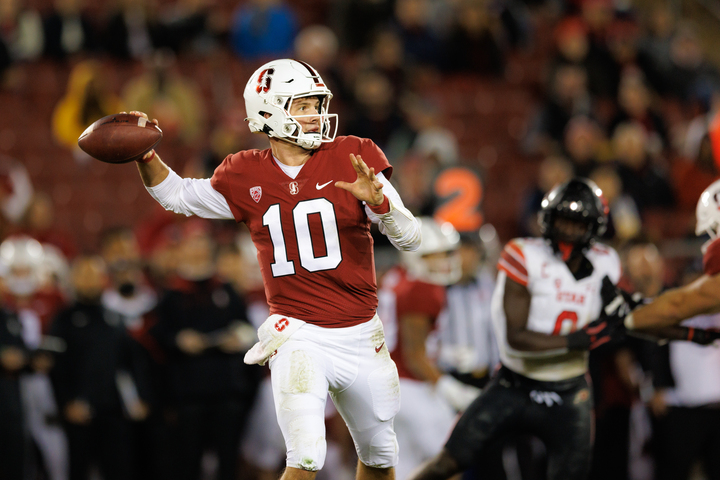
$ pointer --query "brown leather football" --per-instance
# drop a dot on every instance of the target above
(120, 138)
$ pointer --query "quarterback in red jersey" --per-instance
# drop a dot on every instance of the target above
(308, 202)
(699, 297)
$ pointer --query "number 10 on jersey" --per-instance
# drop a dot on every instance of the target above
(301, 222)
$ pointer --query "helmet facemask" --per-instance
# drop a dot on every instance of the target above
(292, 130)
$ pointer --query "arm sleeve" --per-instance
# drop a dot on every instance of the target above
(191, 196)
(398, 224)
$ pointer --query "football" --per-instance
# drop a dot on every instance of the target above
(120, 138)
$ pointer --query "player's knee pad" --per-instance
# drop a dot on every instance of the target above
(300, 391)
(306, 445)
(381, 450)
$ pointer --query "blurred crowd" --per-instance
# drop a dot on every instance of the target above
(121, 346)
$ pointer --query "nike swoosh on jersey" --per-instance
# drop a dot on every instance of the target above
(377, 349)
(320, 187)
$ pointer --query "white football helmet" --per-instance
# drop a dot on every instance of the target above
(271, 90)
(436, 238)
(22, 265)
(708, 213)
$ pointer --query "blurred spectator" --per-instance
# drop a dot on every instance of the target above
(386, 54)
(583, 142)
(567, 97)
(21, 30)
(634, 99)
(263, 29)
(625, 222)
(358, 20)
(100, 380)
(39, 223)
(132, 31)
(655, 45)
(575, 46)
(421, 44)
(127, 294)
(690, 178)
(689, 68)
(642, 180)
(130, 298)
(187, 26)
(473, 44)
(68, 30)
(376, 114)
(163, 93)
(553, 171)
(203, 327)
(424, 134)
(86, 99)
(13, 358)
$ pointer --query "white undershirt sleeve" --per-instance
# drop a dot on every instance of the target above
(399, 225)
(191, 196)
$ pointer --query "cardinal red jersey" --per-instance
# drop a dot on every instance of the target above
(313, 239)
(401, 295)
(711, 258)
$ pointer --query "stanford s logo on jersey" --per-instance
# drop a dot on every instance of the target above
(294, 188)
(264, 80)
(256, 193)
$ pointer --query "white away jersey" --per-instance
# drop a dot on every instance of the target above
(559, 304)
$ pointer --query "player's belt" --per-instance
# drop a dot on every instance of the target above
(522, 381)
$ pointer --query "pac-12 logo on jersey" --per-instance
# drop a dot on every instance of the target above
(256, 193)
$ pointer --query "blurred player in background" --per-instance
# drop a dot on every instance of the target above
(411, 299)
(468, 349)
(203, 327)
(308, 202)
(100, 380)
(29, 292)
(545, 311)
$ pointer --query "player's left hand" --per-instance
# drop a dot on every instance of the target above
(616, 304)
(366, 188)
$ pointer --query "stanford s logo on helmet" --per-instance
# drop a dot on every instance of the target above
(579, 200)
(271, 90)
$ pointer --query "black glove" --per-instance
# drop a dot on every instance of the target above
(594, 334)
(617, 304)
(701, 336)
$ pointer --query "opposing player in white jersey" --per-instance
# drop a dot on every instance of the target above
(547, 315)
(308, 202)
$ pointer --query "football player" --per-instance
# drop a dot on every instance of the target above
(699, 297)
(547, 315)
(412, 295)
(308, 202)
